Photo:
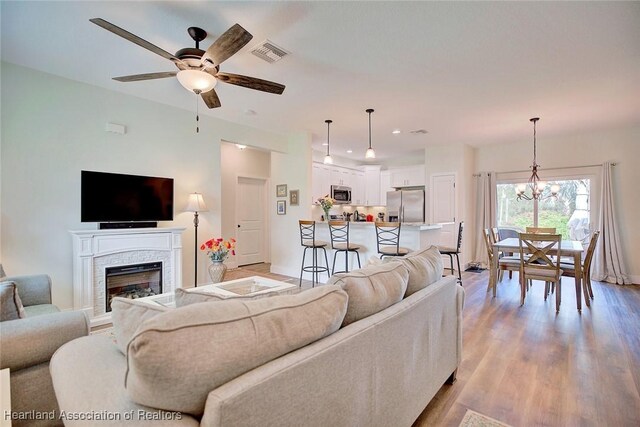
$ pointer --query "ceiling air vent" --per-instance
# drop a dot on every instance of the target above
(419, 131)
(269, 52)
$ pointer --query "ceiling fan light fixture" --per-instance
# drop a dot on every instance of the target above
(196, 81)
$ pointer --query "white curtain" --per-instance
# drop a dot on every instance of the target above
(485, 213)
(608, 264)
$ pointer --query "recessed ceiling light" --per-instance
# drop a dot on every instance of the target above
(396, 131)
(419, 132)
(324, 144)
(349, 151)
(241, 147)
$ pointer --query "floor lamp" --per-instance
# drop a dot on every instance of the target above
(195, 205)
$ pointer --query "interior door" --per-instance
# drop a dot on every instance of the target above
(250, 213)
(443, 207)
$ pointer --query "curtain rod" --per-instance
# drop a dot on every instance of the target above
(553, 169)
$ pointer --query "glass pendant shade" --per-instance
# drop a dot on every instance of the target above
(370, 154)
(328, 160)
(196, 80)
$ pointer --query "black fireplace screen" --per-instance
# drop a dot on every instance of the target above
(133, 281)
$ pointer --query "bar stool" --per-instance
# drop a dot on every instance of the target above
(388, 239)
(454, 251)
(339, 231)
(308, 241)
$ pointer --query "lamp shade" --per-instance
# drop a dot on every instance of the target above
(370, 154)
(196, 203)
(196, 80)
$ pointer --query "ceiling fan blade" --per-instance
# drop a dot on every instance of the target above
(234, 39)
(137, 40)
(211, 99)
(251, 83)
(146, 76)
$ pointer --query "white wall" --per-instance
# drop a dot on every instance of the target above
(53, 127)
(249, 163)
(619, 145)
(294, 169)
(457, 159)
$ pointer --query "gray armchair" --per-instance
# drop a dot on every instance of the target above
(28, 344)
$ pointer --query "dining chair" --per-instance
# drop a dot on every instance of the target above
(510, 263)
(569, 268)
(541, 230)
(451, 252)
(539, 265)
(339, 231)
(388, 239)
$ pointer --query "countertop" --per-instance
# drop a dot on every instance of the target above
(419, 225)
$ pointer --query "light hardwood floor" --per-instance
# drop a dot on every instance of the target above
(528, 366)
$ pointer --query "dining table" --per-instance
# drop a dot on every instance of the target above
(568, 248)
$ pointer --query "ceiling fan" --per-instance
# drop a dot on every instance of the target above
(199, 70)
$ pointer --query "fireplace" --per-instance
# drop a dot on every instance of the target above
(132, 281)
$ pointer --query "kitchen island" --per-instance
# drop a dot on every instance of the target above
(413, 236)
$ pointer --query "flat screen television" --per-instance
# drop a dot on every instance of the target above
(113, 197)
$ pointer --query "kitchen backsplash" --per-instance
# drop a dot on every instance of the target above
(339, 209)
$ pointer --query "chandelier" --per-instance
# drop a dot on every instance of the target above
(535, 184)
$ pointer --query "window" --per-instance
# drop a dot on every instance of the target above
(569, 214)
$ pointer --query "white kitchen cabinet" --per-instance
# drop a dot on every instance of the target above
(385, 185)
(320, 181)
(407, 177)
(340, 176)
(357, 188)
(372, 186)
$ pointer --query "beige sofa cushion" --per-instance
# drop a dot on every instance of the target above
(127, 315)
(424, 265)
(10, 305)
(184, 298)
(372, 289)
(176, 358)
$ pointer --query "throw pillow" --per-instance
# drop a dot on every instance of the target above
(176, 358)
(184, 297)
(424, 265)
(127, 315)
(10, 305)
(372, 289)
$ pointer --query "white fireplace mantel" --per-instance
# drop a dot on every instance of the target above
(96, 250)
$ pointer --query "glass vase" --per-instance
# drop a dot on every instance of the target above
(216, 271)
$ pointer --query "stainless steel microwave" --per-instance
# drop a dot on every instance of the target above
(341, 194)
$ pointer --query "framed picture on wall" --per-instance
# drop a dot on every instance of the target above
(281, 190)
(281, 207)
(294, 196)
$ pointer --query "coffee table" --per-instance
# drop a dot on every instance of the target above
(247, 287)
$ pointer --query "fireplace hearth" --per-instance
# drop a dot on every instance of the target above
(133, 281)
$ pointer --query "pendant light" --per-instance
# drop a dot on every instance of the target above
(327, 159)
(535, 184)
(370, 154)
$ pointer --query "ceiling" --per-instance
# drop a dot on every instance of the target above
(465, 72)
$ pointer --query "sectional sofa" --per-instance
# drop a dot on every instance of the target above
(370, 349)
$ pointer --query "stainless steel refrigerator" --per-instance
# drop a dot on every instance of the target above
(405, 205)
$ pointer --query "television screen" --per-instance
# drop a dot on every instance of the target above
(107, 197)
